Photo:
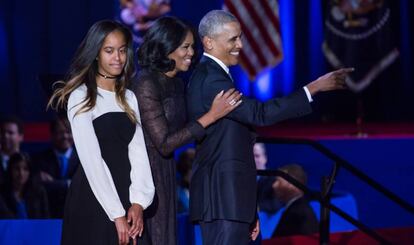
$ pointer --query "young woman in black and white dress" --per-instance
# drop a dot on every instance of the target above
(113, 185)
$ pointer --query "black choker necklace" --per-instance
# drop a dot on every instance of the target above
(105, 76)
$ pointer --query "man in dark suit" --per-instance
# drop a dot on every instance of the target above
(298, 217)
(266, 200)
(57, 165)
(223, 185)
(11, 137)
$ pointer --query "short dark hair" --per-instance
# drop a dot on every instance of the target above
(61, 119)
(13, 120)
(213, 21)
(162, 38)
(295, 171)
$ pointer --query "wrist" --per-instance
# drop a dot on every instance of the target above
(312, 88)
(119, 218)
(137, 205)
(206, 120)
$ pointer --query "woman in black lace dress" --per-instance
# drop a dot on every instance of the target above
(168, 49)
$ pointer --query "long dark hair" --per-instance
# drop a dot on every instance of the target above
(161, 39)
(13, 161)
(84, 68)
(32, 190)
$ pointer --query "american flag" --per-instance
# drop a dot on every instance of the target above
(262, 44)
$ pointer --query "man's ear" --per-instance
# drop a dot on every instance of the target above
(207, 43)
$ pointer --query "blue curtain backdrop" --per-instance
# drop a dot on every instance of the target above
(40, 37)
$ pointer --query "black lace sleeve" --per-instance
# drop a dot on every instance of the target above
(154, 122)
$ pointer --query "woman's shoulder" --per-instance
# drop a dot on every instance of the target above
(148, 79)
(151, 75)
(79, 92)
(129, 94)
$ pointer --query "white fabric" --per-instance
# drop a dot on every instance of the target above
(99, 177)
(222, 65)
(308, 94)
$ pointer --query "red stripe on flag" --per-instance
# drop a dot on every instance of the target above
(247, 65)
(248, 34)
(263, 31)
(258, 16)
(271, 15)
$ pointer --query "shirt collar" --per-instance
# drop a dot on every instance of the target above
(66, 154)
(222, 65)
(4, 160)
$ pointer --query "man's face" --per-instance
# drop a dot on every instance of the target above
(62, 137)
(10, 138)
(260, 157)
(226, 44)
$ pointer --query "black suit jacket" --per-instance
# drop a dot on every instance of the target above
(2, 175)
(48, 162)
(266, 199)
(223, 184)
(297, 219)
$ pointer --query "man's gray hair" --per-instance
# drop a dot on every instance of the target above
(213, 21)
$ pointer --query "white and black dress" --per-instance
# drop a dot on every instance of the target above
(114, 170)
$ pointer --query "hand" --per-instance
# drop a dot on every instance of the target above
(45, 177)
(254, 232)
(122, 228)
(330, 81)
(222, 105)
(135, 219)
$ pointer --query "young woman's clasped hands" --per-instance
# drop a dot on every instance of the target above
(132, 227)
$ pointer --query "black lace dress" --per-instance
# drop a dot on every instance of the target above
(162, 107)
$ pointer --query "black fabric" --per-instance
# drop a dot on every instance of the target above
(2, 171)
(35, 198)
(5, 212)
(225, 232)
(223, 184)
(297, 219)
(266, 199)
(85, 221)
(163, 116)
(48, 162)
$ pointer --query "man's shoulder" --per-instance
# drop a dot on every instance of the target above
(202, 69)
(48, 152)
(208, 70)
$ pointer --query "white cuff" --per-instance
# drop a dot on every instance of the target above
(308, 94)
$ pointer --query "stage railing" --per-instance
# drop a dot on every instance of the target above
(326, 188)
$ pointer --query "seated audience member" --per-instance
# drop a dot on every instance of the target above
(11, 136)
(184, 163)
(5, 213)
(141, 14)
(298, 217)
(24, 197)
(266, 199)
(57, 165)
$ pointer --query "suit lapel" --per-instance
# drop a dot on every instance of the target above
(216, 66)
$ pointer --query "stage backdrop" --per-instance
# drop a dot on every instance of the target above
(40, 37)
